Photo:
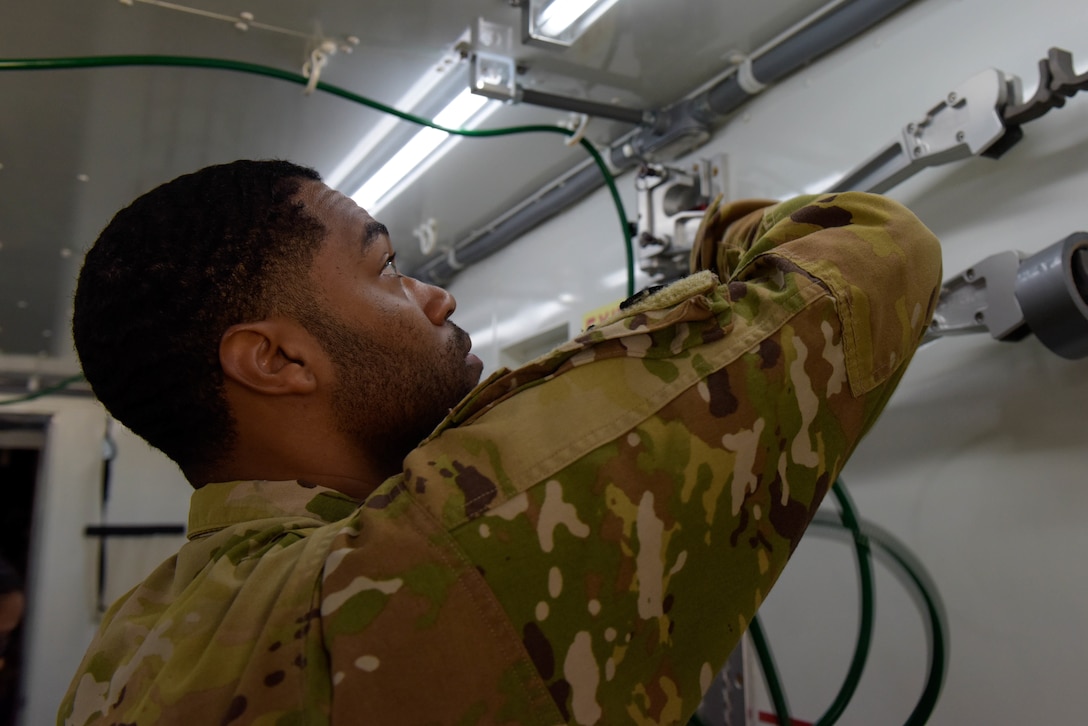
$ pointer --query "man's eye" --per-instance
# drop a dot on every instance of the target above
(391, 267)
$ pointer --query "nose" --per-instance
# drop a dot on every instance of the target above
(437, 304)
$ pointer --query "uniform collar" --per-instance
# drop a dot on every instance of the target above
(216, 506)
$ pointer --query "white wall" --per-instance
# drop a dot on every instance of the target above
(979, 464)
(62, 609)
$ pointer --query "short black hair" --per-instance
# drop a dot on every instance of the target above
(168, 275)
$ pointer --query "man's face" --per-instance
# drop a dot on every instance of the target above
(400, 364)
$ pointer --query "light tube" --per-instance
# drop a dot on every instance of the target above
(559, 15)
(419, 153)
(560, 22)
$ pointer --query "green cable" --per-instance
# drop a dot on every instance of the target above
(849, 516)
(59, 386)
(770, 671)
(31, 64)
(921, 583)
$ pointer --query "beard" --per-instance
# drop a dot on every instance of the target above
(390, 397)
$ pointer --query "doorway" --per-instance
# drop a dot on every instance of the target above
(22, 438)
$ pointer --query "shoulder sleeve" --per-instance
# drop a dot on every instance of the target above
(629, 499)
(874, 256)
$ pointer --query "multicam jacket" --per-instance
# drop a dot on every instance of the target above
(582, 540)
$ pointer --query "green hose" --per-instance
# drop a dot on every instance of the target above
(55, 388)
(848, 515)
(770, 671)
(32, 64)
(863, 535)
(920, 582)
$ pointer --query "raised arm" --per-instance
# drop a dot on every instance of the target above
(610, 516)
(880, 264)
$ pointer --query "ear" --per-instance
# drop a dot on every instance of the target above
(273, 357)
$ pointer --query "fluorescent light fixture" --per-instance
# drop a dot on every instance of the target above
(422, 151)
(429, 84)
(560, 22)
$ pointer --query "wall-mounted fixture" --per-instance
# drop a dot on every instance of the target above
(494, 68)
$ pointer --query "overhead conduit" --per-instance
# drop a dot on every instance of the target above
(677, 130)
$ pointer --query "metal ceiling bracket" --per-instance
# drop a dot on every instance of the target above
(494, 76)
(494, 73)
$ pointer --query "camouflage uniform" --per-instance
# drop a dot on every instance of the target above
(583, 540)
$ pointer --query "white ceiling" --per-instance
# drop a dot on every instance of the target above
(77, 145)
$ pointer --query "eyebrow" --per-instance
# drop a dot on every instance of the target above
(374, 231)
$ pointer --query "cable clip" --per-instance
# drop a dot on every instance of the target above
(427, 234)
(319, 58)
(746, 79)
(576, 123)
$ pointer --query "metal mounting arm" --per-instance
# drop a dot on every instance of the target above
(966, 123)
(981, 117)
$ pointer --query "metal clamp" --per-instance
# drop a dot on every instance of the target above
(1010, 295)
(981, 299)
(1052, 290)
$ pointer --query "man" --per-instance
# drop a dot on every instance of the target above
(582, 540)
